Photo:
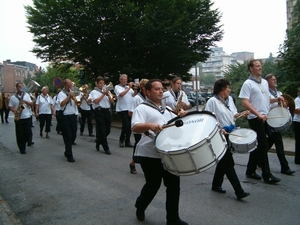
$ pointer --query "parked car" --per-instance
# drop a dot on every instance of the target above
(206, 95)
(192, 96)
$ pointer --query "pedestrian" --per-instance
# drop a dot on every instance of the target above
(255, 97)
(225, 110)
(20, 104)
(125, 94)
(275, 137)
(67, 100)
(85, 110)
(44, 109)
(149, 117)
(296, 125)
(4, 109)
(137, 100)
(101, 100)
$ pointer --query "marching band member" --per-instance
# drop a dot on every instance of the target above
(69, 118)
(137, 100)
(43, 110)
(125, 96)
(175, 98)
(255, 97)
(149, 117)
(275, 137)
(4, 109)
(20, 104)
(57, 112)
(224, 108)
(101, 101)
(296, 125)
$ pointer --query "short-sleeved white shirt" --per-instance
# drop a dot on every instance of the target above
(275, 104)
(69, 108)
(124, 102)
(258, 96)
(44, 103)
(224, 115)
(171, 101)
(137, 100)
(297, 106)
(104, 103)
(84, 105)
(14, 102)
(56, 104)
(146, 114)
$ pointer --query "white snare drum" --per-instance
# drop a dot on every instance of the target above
(279, 119)
(243, 140)
(194, 147)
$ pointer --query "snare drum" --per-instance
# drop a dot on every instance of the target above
(279, 119)
(243, 140)
(194, 147)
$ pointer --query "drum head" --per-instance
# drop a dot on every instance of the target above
(242, 136)
(196, 127)
(278, 117)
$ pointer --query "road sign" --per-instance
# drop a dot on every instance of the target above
(57, 81)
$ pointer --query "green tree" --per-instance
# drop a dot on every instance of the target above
(207, 79)
(142, 38)
(290, 56)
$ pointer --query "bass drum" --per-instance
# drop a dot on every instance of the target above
(194, 147)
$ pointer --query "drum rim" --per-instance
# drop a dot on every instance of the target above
(191, 113)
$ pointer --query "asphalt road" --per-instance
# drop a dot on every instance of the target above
(41, 187)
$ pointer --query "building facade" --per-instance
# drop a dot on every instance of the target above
(289, 12)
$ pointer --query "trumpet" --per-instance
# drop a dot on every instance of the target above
(75, 93)
(85, 92)
(109, 88)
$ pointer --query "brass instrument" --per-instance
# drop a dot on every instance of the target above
(75, 93)
(29, 88)
(85, 93)
(178, 105)
(109, 88)
(290, 103)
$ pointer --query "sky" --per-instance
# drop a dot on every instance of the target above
(256, 26)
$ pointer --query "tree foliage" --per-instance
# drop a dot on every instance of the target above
(207, 79)
(289, 53)
(142, 38)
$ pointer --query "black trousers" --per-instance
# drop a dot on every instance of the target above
(86, 115)
(154, 172)
(226, 166)
(276, 138)
(260, 155)
(137, 138)
(4, 112)
(69, 125)
(45, 119)
(59, 116)
(296, 126)
(126, 127)
(23, 130)
(103, 124)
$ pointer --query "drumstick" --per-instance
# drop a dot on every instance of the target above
(178, 123)
(273, 117)
(241, 114)
(235, 135)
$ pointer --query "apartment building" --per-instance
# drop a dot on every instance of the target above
(289, 11)
(12, 72)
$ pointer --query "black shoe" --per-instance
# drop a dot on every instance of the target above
(132, 168)
(7, 121)
(81, 134)
(73, 143)
(107, 152)
(97, 147)
(23, 152)
(121, 144)
(66, 154)
(254, 176)
(177, 222)
(41, 134)
(288, 171)
(218, 189)
(242, 195)
(272, 180)
(91, 135)
(71, 160)
(30, 144)
(140, 215)
(297, 162)
(129, 145)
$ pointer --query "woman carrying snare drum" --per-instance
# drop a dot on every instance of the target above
(226, 112)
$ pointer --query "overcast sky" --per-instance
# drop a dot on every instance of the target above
(255, 26)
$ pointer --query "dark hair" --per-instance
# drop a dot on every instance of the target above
(148, 85)
(220, 85)
(19, 82)
(174, 80)
(99, 79)
(269, 76)
(250, 64)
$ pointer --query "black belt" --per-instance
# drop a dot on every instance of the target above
(70, 115)
(99, 108)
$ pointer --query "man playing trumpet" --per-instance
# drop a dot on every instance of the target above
(20, 104)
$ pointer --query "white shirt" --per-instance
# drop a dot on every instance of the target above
(171, 101)
(223, 114)
(123, 103)
(137, 100)
(56, 104)
(104, 103)
(84, 105)
(146, 114)
(44, 103)
(14, 102)
(297, 106)
(258, 96)
(70, 108)
(275, 104)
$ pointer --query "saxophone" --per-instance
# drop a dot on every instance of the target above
(20, 108)
(178, 105)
